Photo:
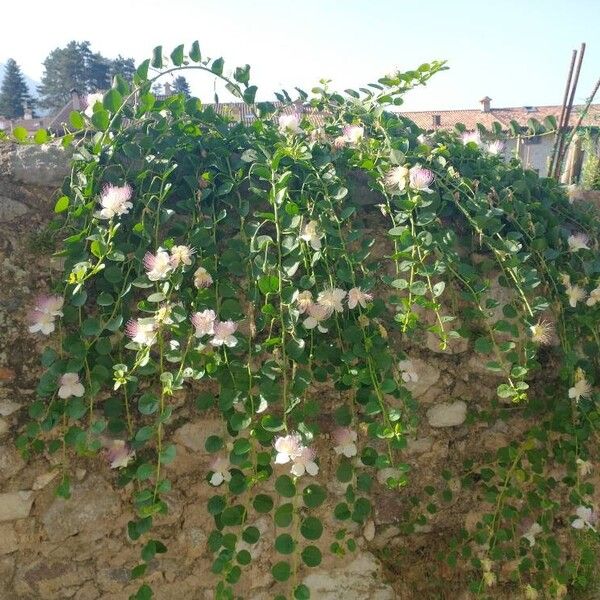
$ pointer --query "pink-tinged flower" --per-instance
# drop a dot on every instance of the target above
(407, 368)
(312, 235)
(356, 296)
(223, 334)
(532, 532)
(421, 179)
(118, 454)
(220, 468)
(496, 147)
(70, 386)
(470, 137)
(304, 301)
(202, 278)
(114, 201)
(50, 305)
(204, 322)
(287, 447)
(141, 331)
(332, 299)
(290, 123)
(594, 296)
(578, 241)
(575, 294)
(158, 266)
(396, 179)
(44, 314)
(42, 322)
(586, 518)
(353, 134)
(304, 462)
(339, 142)
(90, 101)
(316, 314)
(181, 255)
(345, 441)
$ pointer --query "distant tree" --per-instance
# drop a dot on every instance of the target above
(76, 67)
(64, 69)
(125, 67)
(98, 72)
(181, 86)
(14, 94)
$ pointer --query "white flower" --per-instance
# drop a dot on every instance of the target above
(532, 532)
(420, 179)
(290, 123)
(204, 322)
(223, 334)
(471, 137)
(409, 375)
(575, 294)
(42, 322)
(496, 147)
(581, 389)
(118, 454)
(141, 331)
(345, 441)
(353, 134)
(287, 447)
(578, 241)
(114, 201)
(316, 314)
(220, 469)
(304, 301)
(542, 332)
(356, 296)
(70, 386)
(397, 178)
(44, 314)
(202, 278)
(163, 314)
(594, 296)
(584, 467)
(489, 578)
(181, 255)
(530, 593)
(158, 266)
(312, 235)
(586, 518)
(332, 299)
(305, 462)
(90, 101)
(565, 279)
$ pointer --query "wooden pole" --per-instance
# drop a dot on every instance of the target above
(562, 113)
(560, 152)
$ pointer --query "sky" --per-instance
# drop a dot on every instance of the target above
(515, 51)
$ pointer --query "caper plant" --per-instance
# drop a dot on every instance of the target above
(274, 272)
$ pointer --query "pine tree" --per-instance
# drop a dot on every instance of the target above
(181, 86)
(14, 94)
(98, 76)
(76, 67)
(64, 69)
(125, 67)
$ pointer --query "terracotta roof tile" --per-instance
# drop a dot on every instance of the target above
(470, 118)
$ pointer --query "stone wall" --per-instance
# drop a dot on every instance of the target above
(56, 549)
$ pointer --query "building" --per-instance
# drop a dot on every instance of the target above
(533, 150)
